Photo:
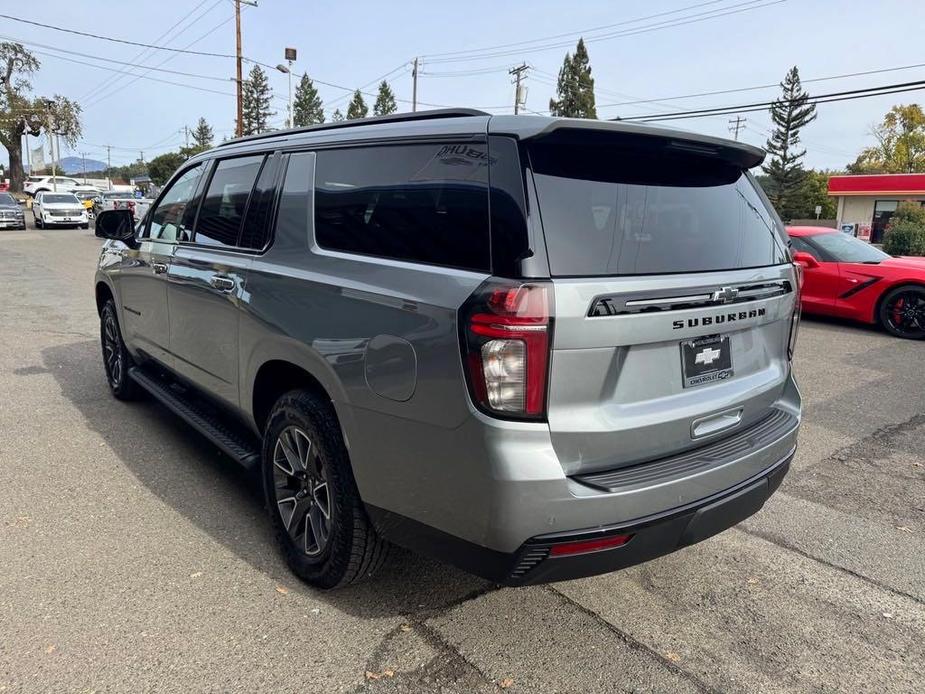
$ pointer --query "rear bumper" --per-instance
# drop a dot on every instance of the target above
(652, 536)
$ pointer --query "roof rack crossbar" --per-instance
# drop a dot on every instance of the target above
(375, 120)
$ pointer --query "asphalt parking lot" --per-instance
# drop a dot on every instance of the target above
(134, 557)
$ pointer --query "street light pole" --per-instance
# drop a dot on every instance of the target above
(290, 56)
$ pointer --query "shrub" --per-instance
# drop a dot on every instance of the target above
(906, 233)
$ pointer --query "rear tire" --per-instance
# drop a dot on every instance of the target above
(318, 519)
(902, 312)
(116, 359)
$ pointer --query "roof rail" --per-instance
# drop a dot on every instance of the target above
(375, 120)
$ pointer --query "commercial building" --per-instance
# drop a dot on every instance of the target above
(867, 202)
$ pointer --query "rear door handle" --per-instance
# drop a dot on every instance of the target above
(159, 268)
(222, 283)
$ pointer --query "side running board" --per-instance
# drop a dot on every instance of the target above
(232, 438)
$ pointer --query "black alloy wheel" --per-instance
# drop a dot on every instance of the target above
(301, 489)
(902, 312)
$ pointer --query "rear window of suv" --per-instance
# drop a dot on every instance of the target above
(616, 210)
(425, 203)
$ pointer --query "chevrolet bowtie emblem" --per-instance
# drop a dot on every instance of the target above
(725, 294)
(707, 356)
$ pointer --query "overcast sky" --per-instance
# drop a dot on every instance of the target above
(353, 43)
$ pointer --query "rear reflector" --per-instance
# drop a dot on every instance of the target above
(584, 546)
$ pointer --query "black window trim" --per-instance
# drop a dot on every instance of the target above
(268, 156)
(144, 231)
(318, 249)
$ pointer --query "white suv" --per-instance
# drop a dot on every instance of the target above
(51, 209)
(36, 184)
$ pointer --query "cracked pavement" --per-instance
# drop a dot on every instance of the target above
(135, 557)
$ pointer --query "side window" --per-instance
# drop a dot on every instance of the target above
(800, 245)
(167, 219)
(225, 202)
(254, 233)
(423, 203)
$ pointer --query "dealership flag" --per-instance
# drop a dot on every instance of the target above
(38, 158)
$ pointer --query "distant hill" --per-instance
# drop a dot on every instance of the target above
(75, 165)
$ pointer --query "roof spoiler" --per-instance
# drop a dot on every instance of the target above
(573, 130)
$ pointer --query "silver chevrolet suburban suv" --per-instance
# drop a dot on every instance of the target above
(535, 348)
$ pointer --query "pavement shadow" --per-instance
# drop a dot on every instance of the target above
(185, 471)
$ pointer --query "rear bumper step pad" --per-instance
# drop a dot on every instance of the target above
(729, 449)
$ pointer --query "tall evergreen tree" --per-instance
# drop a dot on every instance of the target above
(257, 111)
(306, 107)
(203, 135)
(385, 100)
(337, 116)
(357, 107)
(784, 168)
(575, 88)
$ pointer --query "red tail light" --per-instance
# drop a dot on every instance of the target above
(506, 336)
(795, 318)
(585, 546)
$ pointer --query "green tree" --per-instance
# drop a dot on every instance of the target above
(357, 107)
(900, 144)
(203, 135)
(256, 108)
(21, 113)
(337, 116)
(385, 100)
(307, 108)
(905, 234)
(790, 113)
(575, 88)
(162, 167)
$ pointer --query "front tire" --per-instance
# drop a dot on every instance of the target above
(902, 312)
(38, 222)
(318, 518)
(116, 359)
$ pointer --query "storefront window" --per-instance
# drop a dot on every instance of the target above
(883, 211)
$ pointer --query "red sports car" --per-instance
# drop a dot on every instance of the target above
(844, 276)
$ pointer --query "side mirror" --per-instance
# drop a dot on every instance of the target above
(118, 225)
(805, 259)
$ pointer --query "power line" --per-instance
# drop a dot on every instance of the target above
(102, 85)
(165, 60)
(579, 32)
(115, 40)
(764, 105)
(760, 86)
(681, 21)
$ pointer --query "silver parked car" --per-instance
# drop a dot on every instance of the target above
(536, 348)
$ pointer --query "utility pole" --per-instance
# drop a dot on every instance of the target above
(142, 153)
(186, 133)
(290, 54)
(239, 79)
(83, 165)
(518, 73)
(51, 143)
(736, 125)
(109, 166)
(239, 127)
(414, 86)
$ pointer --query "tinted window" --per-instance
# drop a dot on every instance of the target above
(797, 244)
(254, 233)
(842, 248)
(7, 199)
(421, 203)
(167, 219)
(612, 210)
(225, 202)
